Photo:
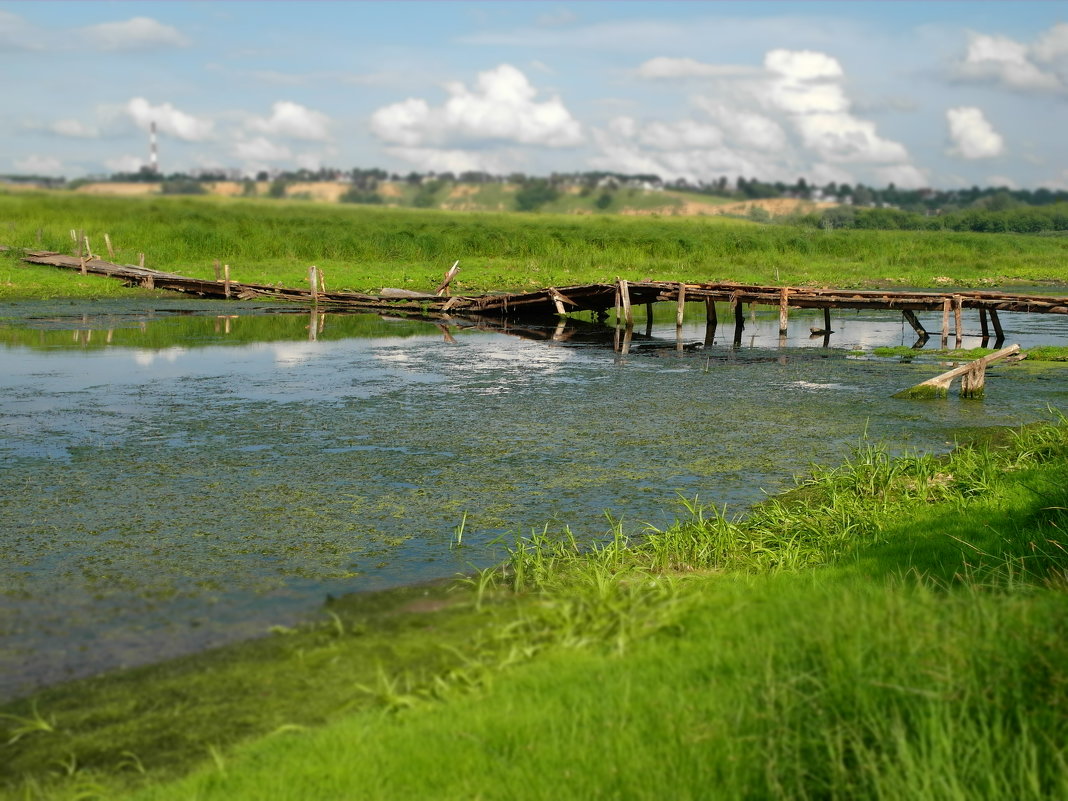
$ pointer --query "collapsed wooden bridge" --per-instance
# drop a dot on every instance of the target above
(622, 296)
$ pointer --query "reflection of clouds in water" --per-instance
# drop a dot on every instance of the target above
(144, 358)
(293, 353)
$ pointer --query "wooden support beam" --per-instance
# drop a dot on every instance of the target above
(226, 282)
(739, 313)
(999, 335)
(914, 321)
(711, 317)
(984, 328)
(313, 280)
(827, 320)
(624, 298)
(141, 260)
(680, 307)
(443, 287)
(957, 301)
(946, 304)
(784, 310)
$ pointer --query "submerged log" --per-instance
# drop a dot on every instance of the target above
(973, 378)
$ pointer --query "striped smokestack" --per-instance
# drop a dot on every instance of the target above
(153, 161)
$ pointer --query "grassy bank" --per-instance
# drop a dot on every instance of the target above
(892, 628)
(366, 248)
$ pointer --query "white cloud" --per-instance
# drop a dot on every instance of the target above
(501, 108)
(169, 120)
(430, 159)
(76, 129)
(39, 165)
(803, 65)
(670, 68)
(903, 176)
(843, 137)
(1002, 60)
(681, 135)
(125, 163)
(293, 120)
(806, 85)
(17, 34)
(138, 33)
(309, 161)
(745, 128)
(972, 134)
(261, 149)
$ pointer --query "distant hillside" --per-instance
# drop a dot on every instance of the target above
(492, 196)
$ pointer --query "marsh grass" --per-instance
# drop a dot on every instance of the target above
(366, 248)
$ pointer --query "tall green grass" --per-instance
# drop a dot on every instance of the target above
(365, 248)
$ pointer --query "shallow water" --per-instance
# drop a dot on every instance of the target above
(181, 474)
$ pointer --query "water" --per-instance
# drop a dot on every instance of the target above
(183, 474)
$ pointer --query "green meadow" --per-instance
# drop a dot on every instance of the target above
(365, 248)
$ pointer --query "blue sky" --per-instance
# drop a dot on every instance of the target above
(917, 93)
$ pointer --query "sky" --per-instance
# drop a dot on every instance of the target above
(940, 94)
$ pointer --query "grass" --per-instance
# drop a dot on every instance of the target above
(366, 248)
(892, 628)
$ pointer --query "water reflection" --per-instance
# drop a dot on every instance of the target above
(175, 477)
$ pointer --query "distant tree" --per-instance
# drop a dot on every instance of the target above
(604, 201)
(278, 187)
(534, 194)
(182, 186)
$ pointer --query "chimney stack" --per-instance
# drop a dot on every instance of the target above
(153, 162)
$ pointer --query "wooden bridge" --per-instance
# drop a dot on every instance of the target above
(622, 296)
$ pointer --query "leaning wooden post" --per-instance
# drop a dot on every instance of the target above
(226, 281)
(971, 387)
(680, 308)
(957, 302)
(313, 279)
(784, 310)
(999, 335)
(914, 321)
(88, 250)
(945, 321)
(443, 287)
(624, 297)
(984, 328)
(107, 243)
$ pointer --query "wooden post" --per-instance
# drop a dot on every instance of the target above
(141, 260)
(972, 386)
(739, 313)
(81, 259)
(984, 328)
(226, 282)
(443, 287)
(710, 312)
(784, 310)
(680, 308)
(945, 321)
(999, 335)
(624, 296)
(313, 279)
(957, 301)
(827, 319)
(628, 332)
(618, 302)
(649, 319)
(88, 250)
(76, 247)
(107, 243)
(914, 321)
(218, 271)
